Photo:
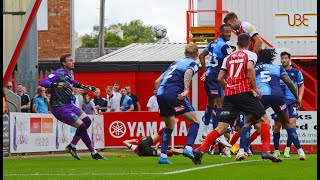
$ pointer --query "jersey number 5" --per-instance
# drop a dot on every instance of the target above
(265, 76)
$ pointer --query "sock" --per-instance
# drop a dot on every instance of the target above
(227, 148)
(241, 151)
(245, 137)
(254, 136)
(75, 140)
(192, 133)
(289, 141)
(83, 134)
(301, 152)
(294, 137)
(212, 136)
(220, 148)
(276, 139)
(94, 152)
(166, 137)
(207, 115)
(234, 138)
(206, 128)
(265, 137)
(163, 155)
(189, 148)
(160, 132)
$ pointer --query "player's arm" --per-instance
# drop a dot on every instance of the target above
(257, 43)
(300, 85)
(202, 59)
(187, 79)
(252, 77)
(158, 82)
(286, 79)
(223, 73)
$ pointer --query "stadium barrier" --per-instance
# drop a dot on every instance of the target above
(33, 132)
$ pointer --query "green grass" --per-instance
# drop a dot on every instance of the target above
(124, 165)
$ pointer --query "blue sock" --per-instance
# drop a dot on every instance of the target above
(293, 136)
(166, 137)
(207, 115)
(245, 138)
(192, 133)
(276, 139)
(289, 140)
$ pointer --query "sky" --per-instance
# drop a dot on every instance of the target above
(170, 13)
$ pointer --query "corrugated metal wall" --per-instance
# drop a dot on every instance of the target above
(260, 13)
(11, 23)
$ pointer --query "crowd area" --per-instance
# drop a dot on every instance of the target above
(117, 100)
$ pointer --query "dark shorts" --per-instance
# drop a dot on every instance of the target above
(145, 148)
(212, 87)
(245, 102)
(292, 109)
(67, 114)
(170, 105)
(277, 103)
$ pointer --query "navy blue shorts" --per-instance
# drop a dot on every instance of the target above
(277, 103)
(212, 87)
(170, 105)
(292, 109)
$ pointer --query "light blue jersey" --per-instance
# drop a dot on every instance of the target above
(173, 77)
(296, 78)
(219, 49)
(268, 78)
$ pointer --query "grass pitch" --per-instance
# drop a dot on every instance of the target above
(126, 165)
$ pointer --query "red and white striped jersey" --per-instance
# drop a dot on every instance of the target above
(249, 29)
(237, 79)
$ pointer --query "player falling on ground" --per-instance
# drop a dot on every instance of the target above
(219, 50)
(144, 146)
(268, 81)
(297, 80)
(172, 91)
(238, 69)
(61, 82)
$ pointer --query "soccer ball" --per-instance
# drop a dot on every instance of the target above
(159, 31)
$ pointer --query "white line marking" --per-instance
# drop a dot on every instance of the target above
(124, 174)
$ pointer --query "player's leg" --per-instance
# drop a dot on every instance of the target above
(293, 120)
(276, 135)
(87, 121)
(227, 135)
(166, 137)
(193, 119)
(221, 140)
(207, 116)
(245, 138)
(291, 130)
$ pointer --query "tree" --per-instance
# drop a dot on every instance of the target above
(133, 32)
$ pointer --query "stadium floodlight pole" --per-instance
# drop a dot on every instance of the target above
(101, 51)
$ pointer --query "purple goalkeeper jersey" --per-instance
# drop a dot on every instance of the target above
(60, 96)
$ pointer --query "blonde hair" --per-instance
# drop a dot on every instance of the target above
(191, 49)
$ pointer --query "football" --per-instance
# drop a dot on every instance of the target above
(159, 31)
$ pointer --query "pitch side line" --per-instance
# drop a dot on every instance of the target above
(124, 174)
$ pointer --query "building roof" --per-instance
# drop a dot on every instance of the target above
(145, 52)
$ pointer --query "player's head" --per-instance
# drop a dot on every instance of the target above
(266, 56)
(67, 61)
(285, 58)
(225, 31)
(243, 41)
(232, 19)
(191, 51)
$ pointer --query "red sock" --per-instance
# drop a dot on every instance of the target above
(161, 131)
(234, 138)
(254, 136)
(212, 136)
(265, 137)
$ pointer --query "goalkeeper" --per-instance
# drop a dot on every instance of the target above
(61, 82)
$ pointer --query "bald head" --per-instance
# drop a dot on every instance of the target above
(97, 93)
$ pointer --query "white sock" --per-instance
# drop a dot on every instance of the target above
(73, 145)
(241, 151)
(227, 148)
(300, 151)
(287, 148)
(189, 148)
(94, 152)
(163, 155)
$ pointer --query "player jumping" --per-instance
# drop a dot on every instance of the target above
(61, 82)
